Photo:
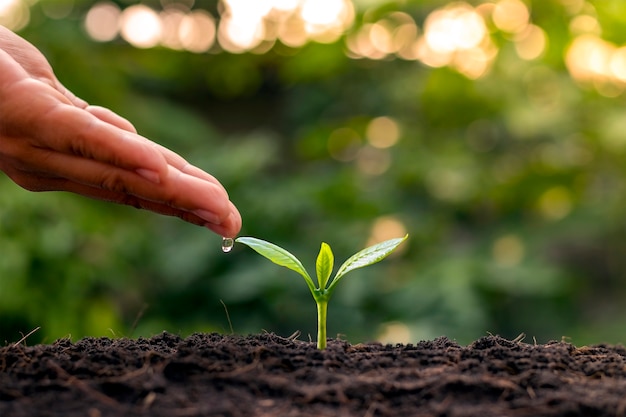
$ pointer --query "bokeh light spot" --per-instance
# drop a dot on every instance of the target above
(382, 132)
(385, 228)
(285, 5)
(326, 13)
(617, 64)
(394, 332)
(58, 9)
(455, 27)
(531, 42)
(141, 26)
(381, 37)
(589, 58)
(240, 29)
(448, 184)
(573, 6)
(511, 16)
(555, 203)
(373, 161)
(585, 24)
(171, 19)
(457, 35)
(14, 14)
(102, 21)
(344, 144)
(292, 32)
(508, 251)
(197, 31)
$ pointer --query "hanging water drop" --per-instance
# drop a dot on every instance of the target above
(227, 244)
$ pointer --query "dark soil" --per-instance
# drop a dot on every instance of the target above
(267, 375)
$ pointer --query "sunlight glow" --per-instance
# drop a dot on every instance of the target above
(322, 12)
(617, 65)
(457, 35)
(246, 24)
(454, 28)
(238, 33)
(593, 61)
(326, 20)
(14, 14)
(242, 25)
(589, 58)
(285, 5)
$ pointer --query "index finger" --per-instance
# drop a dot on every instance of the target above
(75, 131)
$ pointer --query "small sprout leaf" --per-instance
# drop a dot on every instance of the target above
(367, 256)
(323, 268)
(324, 265)
(277, 255)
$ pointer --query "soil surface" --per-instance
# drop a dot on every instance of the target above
(267, 375)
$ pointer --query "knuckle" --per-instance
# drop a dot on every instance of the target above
(171, 196)
(113, 181)
(189, 217)
(130, 200)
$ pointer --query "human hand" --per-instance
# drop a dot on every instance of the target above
(51, 140)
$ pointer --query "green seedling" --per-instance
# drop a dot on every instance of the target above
(324, 268)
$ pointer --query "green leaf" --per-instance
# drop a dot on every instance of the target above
(324, 265)
(367, 256)
(277, 255)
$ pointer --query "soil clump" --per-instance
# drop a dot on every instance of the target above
(267, 375)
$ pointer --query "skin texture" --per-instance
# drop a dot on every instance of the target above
(51, 140)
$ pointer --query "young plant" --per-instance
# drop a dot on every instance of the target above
(324, 268)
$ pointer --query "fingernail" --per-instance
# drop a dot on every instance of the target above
(208, 216)
(149, 175)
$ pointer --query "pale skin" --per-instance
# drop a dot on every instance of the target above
(51, 140)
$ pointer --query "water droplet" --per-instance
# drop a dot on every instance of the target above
(227, 244)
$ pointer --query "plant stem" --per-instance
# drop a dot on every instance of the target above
(322, 307)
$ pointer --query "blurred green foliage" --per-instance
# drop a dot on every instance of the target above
(478, 168)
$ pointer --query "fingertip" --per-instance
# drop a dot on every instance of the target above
(220, 230)
(229, 227)
(236, 219)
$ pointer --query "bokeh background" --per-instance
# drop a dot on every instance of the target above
(493, 132)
